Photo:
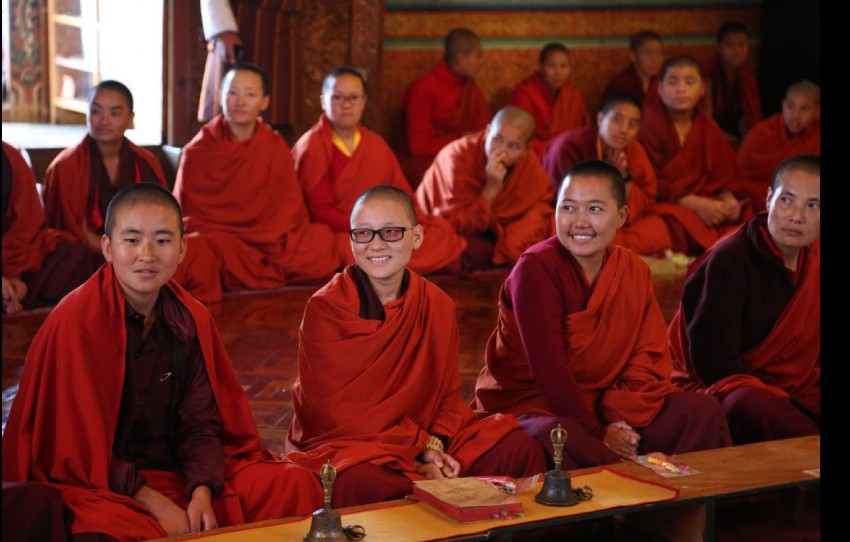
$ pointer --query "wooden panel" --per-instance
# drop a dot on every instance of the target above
(184, 53)
(267, 31)
(295, 43)
(365, 47)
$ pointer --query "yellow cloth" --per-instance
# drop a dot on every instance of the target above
(339, 144)
(418, 521)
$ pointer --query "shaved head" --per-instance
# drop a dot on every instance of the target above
(141, 193)
(681, 61)
(599, 169)
(459, 41)
(805, 87)
(514, 116)
(809, 163)
(390, 193)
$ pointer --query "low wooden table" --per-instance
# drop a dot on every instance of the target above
(724, 473)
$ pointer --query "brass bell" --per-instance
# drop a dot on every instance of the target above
(326, 525)
(557, 487)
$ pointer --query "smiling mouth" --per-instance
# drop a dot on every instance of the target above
(582, 236)
(378, 258)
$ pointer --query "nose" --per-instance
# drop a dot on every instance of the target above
(377, 242)
(146, 251)
(798, 214)
(581, 217)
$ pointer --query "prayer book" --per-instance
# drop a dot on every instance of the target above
(467, 499)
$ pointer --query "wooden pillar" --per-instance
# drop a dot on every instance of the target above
(365, 45)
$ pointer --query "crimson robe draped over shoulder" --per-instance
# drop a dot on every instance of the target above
(67, 181)
(374, 390)
(245, 197)
(704, 164)
(644, 231)
(749, 91)
(765, 146)
(616, 348)
(629, 82)
(372, 163)
(787, 362)
(26, 240)
(442, 106)
(521, 214)
(438, 108)
(62, 423)
(552, 116)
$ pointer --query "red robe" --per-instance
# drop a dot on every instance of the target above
(552, 116)
(25, 238)
(67, 181)
(765, 146)
(629, 81)
(787, 361)
(644, 232)
(521, 214)
(615, 349)
(245, 199)
(374, 390)
(63, 434)
(703, 165)
(372, 163)
(748, 92)
(440, 107)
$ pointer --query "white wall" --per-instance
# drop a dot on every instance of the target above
(131, 52)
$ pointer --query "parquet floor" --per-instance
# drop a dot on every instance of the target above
(260, 332)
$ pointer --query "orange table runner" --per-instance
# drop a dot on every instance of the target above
(417, 521)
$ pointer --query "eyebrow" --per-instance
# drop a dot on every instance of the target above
(95, 103)
(583, 201)
(127, 231)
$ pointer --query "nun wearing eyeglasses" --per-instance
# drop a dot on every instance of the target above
(338, 159)
(377, 387)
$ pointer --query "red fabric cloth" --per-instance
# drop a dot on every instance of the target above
(629, 81)
(373, 163)
(749, 91)
(438, 108)
(644, 231)
(374, 390)
(33, 512)
(615, 349)
(244, 196)
(552, 116)
(442, 106)
(765, 146)
(67, 181)
(787, 361)
(521, 214)
(26, 240)
(62, 434)
(703, 165)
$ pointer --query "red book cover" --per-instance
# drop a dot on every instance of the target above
(467, 499)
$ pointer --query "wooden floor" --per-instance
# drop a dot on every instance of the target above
(260, 332)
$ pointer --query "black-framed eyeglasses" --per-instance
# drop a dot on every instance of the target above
(389, 234)
(353, 99)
